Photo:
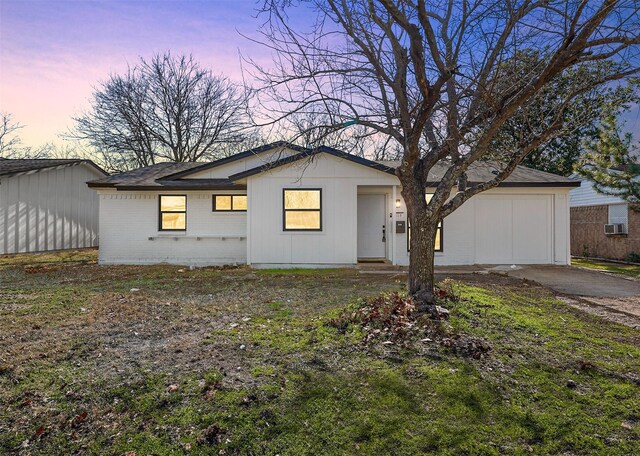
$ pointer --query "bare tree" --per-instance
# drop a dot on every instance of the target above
(11, 145)
(9, 141)
(312, 129)
(165, 109)
(442, 79)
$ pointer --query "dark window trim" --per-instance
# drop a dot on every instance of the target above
(228, 210)
(284, 210)
(160, 212)
(440, 228)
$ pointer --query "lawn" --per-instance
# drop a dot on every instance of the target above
(630, 270)
(167, 360)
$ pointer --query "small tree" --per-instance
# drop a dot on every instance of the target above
(443, 79)
(612, 163)
(165, 109)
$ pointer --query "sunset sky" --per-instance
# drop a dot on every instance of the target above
(53, 52)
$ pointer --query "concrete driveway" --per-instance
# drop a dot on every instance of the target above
(579, 282)
(618, 294)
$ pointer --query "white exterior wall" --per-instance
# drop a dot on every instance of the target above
(504, 226)
(129, 219)
(237, 166)
(337, 243)
(586, 195)
(49, 209)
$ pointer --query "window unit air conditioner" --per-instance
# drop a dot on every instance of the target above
(615, 228)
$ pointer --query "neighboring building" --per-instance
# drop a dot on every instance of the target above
(46, 205)
(602, 226)
(283, 206)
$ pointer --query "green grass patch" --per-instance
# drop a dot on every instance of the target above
(630, 270)
(223, 362)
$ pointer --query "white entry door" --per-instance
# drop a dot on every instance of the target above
(371, 226)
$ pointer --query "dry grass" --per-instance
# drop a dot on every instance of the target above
(163, 360)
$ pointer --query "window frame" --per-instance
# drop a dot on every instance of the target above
(213, 203)
(160, 212)
(440, 229)
(610, 219)
(285, 210)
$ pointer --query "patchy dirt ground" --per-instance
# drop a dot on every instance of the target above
(163, 359)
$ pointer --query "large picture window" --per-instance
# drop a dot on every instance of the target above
(173, 212)
(302, 209)
(229, 203)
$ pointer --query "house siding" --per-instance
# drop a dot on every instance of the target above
(337, 243)
(129, 223)
(586, 195)
(588, 238)
(51, 209)
(237, 166)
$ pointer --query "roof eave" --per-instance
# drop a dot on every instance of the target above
(235, 157)
(130, 188)
(58, 166)
(308, 154)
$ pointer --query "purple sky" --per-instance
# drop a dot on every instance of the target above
(53, 52)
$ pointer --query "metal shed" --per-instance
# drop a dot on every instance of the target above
(45, 205)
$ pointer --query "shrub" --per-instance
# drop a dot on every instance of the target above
(633, 257)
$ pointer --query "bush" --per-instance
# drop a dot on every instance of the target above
(633, 257)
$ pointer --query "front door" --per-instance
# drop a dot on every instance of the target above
(371, 226)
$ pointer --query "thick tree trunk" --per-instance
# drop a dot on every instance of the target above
(421, 259)
(424, 226)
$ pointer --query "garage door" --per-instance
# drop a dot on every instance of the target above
(514, 229)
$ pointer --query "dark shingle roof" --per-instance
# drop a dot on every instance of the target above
(154, 178)
(307, 153)
(169, 175)
(239, 156)
(484, 171)
(9, 167)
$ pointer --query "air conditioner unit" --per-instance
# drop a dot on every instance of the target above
(615, 228)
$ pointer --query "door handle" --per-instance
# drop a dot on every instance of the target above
(384, 234)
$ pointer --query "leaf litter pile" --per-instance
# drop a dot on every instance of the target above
(392, 319)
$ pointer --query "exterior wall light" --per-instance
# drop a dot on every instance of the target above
(398, 203)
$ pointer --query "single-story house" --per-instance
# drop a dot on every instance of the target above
(281, 205)
(602, 226)
(45, 205)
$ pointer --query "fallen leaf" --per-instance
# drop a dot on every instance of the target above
(79, 419)
(40, 431)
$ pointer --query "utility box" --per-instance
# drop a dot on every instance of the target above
(401, 226)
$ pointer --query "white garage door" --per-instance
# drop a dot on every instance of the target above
(514, 229)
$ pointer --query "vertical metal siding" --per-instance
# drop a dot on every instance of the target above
(51, 209)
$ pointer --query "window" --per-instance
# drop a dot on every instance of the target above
(229, 203)
(438, 244)
(173, 212)
(302, 209)
(618, 213)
